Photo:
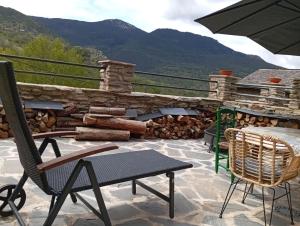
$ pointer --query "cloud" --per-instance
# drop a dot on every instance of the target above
(190, 10)
(149, 15)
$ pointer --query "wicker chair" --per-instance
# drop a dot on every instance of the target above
(261, 160)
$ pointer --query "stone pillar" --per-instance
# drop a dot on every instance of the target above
(295, 95)
(275, 90)
(224, 87)
(117, 76)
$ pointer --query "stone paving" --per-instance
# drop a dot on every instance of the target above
(199, 192)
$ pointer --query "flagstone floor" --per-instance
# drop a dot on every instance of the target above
(199, 192)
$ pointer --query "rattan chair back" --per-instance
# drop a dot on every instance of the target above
(263, 160)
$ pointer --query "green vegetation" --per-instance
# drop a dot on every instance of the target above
(55, 49)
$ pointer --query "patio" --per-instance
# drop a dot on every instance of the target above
(198, 198)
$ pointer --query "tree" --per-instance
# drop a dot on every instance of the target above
(54, 49)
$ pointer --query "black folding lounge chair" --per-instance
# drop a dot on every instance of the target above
(69, 174)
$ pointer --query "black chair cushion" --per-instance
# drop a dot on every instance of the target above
(116, 168)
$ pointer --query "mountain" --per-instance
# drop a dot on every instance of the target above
(162, 51)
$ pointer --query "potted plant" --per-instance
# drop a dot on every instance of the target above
(274, 80)
(225, 72)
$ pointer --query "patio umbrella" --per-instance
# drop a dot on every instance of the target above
(274, 24)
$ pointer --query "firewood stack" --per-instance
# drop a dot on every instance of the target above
(4, 128)
(109, 124)
(40, 121)
(244, 120)
(179, 127)
(69, 118)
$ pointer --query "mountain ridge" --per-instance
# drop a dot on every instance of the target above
(161, 51)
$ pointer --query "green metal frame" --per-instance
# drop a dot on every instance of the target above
(221, 158)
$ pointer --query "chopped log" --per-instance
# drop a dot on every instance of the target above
(3, 134)
(239, 115)
(65, 129)
(68, 122)
(51, 121)
(43, 127)
(39, 116)
(252, 120)
(182, 118)
(242, 122)
(108, 111)
(2, 112)
(45, 118)
(92, 118)
(260, 118)
(4, 126)
(28, 110)
(266, 120)
(292, 124)
(68, 110)
(77, 116)
(247, 118)
(94, 134)
(274, 122)
(51, 112)
(170, 119)
(115, 123)
(30, 114)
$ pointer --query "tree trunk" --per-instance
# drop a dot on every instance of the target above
(108, 111)
(94, 134)
(135, 127)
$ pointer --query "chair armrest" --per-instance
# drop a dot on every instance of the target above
(54, 134)
(75, 156)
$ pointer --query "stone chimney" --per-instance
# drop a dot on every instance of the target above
(224, 87)
(117, 76)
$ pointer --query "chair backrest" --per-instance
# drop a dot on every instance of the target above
(28, 153)
(262, 160)
(225, 118)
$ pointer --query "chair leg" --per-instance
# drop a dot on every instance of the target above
(264, 208)
(217, 158)
(272, 206)
(98, 194)
(19, 187)
(73, 197)
(171, 194)
(134, 187)
(52, 203)
(62, 197)
(228, 196)
(14, 196)
(289, 199)
(247, 192)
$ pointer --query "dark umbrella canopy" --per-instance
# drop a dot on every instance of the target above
(274, 24)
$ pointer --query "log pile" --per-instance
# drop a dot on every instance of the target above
(109, 124)
(179, 127)
(244, 120)
(4, 128)
(40, 121)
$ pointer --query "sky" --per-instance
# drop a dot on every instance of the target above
(149, 15)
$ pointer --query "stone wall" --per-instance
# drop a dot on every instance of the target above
(84, 98)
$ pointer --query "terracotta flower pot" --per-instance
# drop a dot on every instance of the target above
(225, 72)
(274, 80)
